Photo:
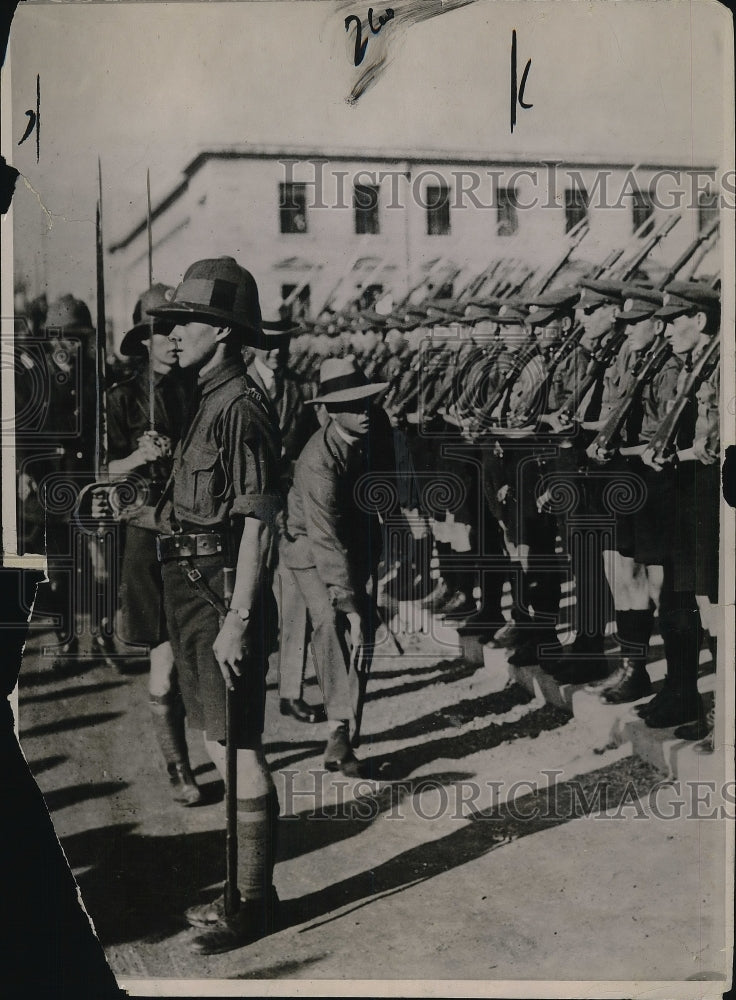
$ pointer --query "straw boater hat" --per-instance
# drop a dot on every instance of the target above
(219, 292)
(342, 381)
(157, 295)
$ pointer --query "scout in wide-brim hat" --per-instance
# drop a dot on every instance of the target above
(68, 315)
(342, 381)
(132, 343)
(277, 334)
(221, 293)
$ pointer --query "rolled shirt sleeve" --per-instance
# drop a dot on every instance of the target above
(249, 444)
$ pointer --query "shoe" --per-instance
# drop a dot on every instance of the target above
(510, 635)
(297, 708)
(206, 914)
(458, 607)
(644, 709)
(633, 683)
(674, 711)
(185, 789)
(437, 597)
(255, 919)
(339, 754)
(529, 653)
(485, 624)
(698, 729)
(599, 687)
(583, 671)
(706, 745)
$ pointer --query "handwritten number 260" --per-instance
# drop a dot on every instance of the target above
(360, 44)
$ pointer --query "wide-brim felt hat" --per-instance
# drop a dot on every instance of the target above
(157, 295)
(341, 380)
(277, 333)
(221, 293)
(68, 315)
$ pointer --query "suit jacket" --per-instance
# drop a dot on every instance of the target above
(329, 527)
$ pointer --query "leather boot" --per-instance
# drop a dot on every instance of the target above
(682, 634)
(633, 683)
(167, 713)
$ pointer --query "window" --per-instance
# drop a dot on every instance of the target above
(707, 209)
(293, 208)
(643, 210)
(365, 203)
(438, 210)
(576, 207)
(508, 220)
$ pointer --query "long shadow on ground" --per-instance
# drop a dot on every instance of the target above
(453, 670)
(488, 830)
(137, 887)
(407, 759)
(458, 714)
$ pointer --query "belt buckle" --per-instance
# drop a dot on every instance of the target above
(194, 574)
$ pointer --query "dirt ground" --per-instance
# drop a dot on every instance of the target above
(477, 851)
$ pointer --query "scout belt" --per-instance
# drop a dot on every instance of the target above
(189, 546)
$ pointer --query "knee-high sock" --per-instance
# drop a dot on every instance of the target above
(682, 634)
(167, 713)
(257, 844)
(634, 630)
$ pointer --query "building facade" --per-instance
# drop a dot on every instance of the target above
(323, 227)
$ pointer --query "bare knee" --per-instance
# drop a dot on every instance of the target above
(162, 669)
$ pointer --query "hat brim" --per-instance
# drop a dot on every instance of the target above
(183, 312)
(132, 343)
(542, 316)
(673, 311)
(635, 315)
(507, 320)
(282, 327)
(350, 395)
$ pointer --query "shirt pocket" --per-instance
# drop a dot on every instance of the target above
(199, 482)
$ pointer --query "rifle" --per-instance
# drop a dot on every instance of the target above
(688, 253)
(100, 339)
(631, 266)
(231, 893)
(568, 345)
(474, 374)
(151, 373)
(432, 369)
(647, 366)
(576, 235)
(704, 249)
(603, 355)
(329, 298)
(661, 448)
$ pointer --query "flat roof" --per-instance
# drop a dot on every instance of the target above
(432, 157)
